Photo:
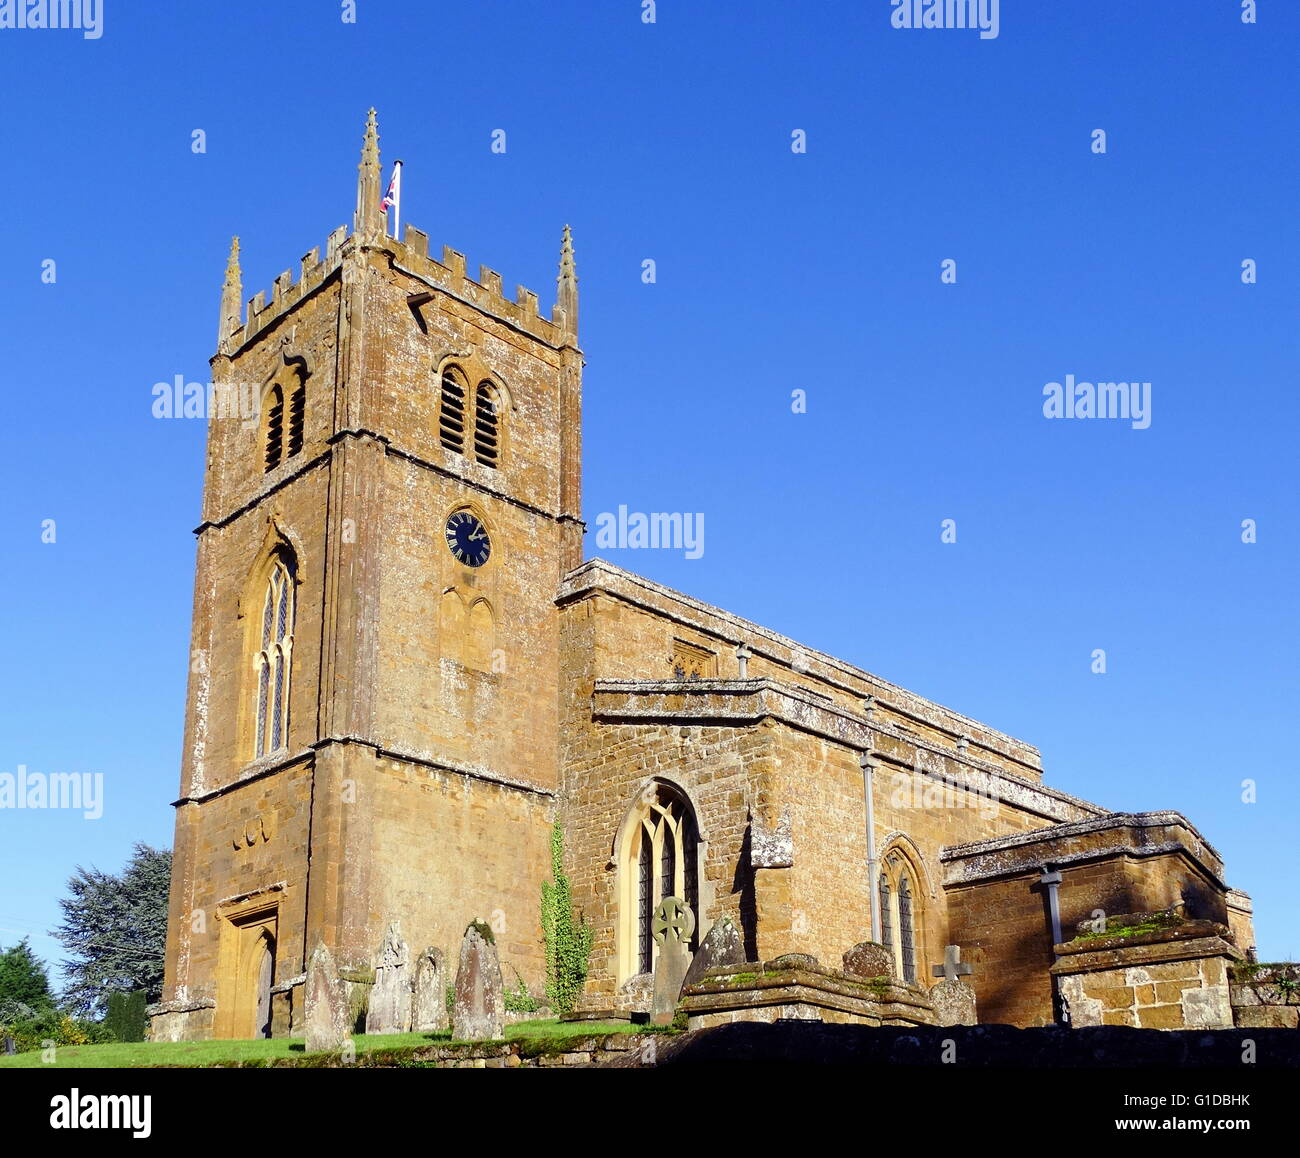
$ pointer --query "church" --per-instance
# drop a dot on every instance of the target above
(406, 673)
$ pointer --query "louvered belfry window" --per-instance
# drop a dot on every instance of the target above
(451, 413)
(297, 415)
(274, 427)
(285, 412)
(486, 432)
(469, 425)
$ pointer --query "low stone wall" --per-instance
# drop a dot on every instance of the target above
(814, 1043)
(1170, 978)
(625, 1049)
(189, 1020)
(1266, 996)
(975, 1047)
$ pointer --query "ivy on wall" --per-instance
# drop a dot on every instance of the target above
(568, 944)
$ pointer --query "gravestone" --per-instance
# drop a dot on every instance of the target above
(869, 959)
(390, 997)
(326, 1014)
(429, 1005)
(720, 947)
(953, 999)
(671, 928)
(478, 1013)
(11, 1046)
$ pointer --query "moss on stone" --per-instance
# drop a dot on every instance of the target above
(1153, 923)
(739, 979)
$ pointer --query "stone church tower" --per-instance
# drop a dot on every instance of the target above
(372, 711)
(404, 674)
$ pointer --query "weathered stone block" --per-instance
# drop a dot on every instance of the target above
(954, 1003)
(1267, 1017)
(869, 959)
(1161, 1017)
(1207, 1008)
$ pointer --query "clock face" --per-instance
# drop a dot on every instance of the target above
(467, 538)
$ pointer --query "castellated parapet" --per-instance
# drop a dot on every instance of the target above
(410, 256)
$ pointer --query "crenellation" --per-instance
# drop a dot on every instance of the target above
(333, 244)
(455, 262)
(485, 295)
(417, 241)
(256, 304)
(287, 292)
(526, 300)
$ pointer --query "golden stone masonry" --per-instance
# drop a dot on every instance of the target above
(406, 673)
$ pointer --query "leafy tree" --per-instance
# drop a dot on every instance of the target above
(568, 945)
(23, 979)
(115, 928)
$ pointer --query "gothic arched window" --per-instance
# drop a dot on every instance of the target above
(273, 662)
(451, 411)
(661, 859)
(486, 425)
(900, 918)
(886, 915)
(906, 930)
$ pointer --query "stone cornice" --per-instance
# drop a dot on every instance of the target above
(1135, 834)
(749, 702)
(277, 762)
(1198, 939)
(469, 771)
(279, 482)
(598, 576)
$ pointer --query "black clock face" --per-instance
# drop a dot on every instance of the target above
(467, 539)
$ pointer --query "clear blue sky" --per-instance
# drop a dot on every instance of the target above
(776, 272)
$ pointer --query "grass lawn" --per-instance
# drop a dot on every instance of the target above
(126, 1055)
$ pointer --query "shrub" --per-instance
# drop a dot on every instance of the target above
(126, 1019)
(519, 1000)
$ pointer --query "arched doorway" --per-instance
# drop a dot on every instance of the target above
(263, 974)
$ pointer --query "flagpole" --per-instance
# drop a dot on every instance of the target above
(397, 200)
